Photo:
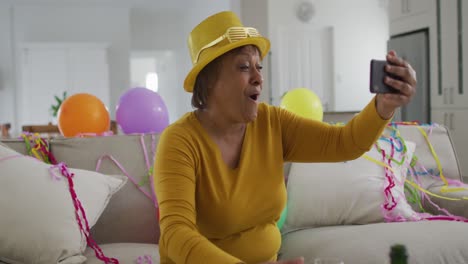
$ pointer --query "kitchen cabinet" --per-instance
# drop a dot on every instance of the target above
(446, 26)
(451, 88)
(404, 8)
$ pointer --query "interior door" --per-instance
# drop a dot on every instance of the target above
(88, 73)
(48, 69)
(414, 48)
(306, 58)
(43, 75)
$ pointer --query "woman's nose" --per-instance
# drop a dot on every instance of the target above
(257, 78)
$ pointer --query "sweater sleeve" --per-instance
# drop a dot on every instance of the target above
(306, 140)
(175, 184)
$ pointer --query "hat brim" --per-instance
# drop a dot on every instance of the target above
(263, 44)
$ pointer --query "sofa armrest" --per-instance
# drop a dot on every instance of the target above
(455, 203)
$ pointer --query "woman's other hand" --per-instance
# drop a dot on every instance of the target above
(292, 261)
(387, 103)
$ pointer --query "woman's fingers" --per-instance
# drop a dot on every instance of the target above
(405, 80)
(404, 87)
(405, 73)
(396, 100)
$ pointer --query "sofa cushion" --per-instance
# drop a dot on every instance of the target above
(440, 140)
(458, 206)
(130, 215)
(352, 192)
(126, 253)
(435, 242)
(16, 145)
(38, 222)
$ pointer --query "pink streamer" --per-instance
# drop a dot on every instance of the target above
(52, 173)
(79, 210)
(143, 145)
(428, 199)
(103, 134)
(447, 218)
(152, 195)
(11, 157)
(388, 205)
(145, 259)
(131, 178)
(148, 166)
(416, 216)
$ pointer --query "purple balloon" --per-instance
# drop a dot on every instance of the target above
(141, 110)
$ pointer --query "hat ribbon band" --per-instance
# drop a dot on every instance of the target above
(232, 34)
(209, 45)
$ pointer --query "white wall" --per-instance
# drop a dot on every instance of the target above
(47, 22)
(360, 34)
(361, 29)
(126, 25)
(61, 23)
(7, 74)
(255, 14)
(156, 29)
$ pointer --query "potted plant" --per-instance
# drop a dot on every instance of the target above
(54, 108)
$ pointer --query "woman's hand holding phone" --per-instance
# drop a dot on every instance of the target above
(398, 75)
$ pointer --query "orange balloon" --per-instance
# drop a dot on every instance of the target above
(83, 113)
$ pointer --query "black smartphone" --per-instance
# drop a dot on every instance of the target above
(377, 76)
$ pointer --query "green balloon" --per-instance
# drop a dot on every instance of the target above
(283, 216)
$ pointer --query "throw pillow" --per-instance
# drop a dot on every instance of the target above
(352, 192)
(38, 222)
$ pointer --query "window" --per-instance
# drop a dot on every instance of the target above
(152, 81)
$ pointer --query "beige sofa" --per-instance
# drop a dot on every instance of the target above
(128, 228)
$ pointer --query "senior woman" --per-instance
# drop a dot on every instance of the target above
(219, 169)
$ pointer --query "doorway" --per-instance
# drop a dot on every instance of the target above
(414, 48)
(155, 70)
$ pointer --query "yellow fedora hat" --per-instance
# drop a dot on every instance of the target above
(217, 35)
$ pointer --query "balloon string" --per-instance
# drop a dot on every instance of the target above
(152, 194)
(149, 174)
(122, 169)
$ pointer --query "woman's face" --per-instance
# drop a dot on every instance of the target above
(236, 92)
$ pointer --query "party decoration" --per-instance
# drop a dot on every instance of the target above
(38, 148)
(412, 181)
(141, 110)
(83, 113)
(283, 216)
(303, 102)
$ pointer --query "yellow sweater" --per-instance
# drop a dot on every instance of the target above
(211, 213)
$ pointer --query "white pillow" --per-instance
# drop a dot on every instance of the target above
(37, 216)
(352, 192)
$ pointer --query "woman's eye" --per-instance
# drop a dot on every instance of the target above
(244, 67)
(259, 67)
